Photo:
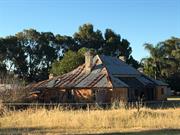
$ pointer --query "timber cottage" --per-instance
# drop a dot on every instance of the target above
(101, 79)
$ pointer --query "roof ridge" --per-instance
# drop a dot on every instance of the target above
(110, 77)
(106, 71)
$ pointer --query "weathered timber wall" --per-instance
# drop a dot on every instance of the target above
(100, 95)
(119, 94)
(161, 93)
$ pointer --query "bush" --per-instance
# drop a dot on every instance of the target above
(12, 90)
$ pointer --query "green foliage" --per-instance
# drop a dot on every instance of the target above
(164, 61)
(87, 37)
(2, 69)
(133, 62)
(30, 53)
(111, 44)
(65, 43)
(114, 46)
(3, 49)
(70, 61)
(174, 80)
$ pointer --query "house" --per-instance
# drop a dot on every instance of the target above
(101, 79)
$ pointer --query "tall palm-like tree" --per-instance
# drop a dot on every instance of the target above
(153, 63)
(164, 61)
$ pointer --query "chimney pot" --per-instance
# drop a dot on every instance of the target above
(123, 58)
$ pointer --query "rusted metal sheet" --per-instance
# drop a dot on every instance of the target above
(83, 96)
(105, 73)
(79, 78)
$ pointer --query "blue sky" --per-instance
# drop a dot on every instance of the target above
(138, 21)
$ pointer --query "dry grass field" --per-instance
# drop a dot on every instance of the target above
(174, 98)
(113, 121)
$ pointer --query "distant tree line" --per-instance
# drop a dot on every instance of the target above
(164, 62)
(32, 55)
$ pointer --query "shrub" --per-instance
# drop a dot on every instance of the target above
(12, 89)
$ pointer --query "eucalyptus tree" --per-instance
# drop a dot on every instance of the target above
(15, 58)
(40, 51)
(109, 43)
(88, 37)
(3, 53)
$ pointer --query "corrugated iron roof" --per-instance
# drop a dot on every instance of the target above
(106, 72)
(116, 66)
(144, 81)
(157, 82)
(132, 82)
(79, 78)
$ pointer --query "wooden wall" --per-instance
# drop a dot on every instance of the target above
(97, 95)
(161, 93)
(47, 95)
(102, 95)
(120, 94)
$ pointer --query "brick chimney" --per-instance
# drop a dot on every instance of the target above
(123, 58)
(88, 61)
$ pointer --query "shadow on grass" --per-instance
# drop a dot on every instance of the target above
(73, 131)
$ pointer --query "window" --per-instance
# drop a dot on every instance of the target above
(70, 94)
(162, 91)
(94, 95)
